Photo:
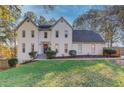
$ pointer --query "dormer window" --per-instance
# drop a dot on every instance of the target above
(57, 34)
(23, 33)
(32, 33)
(66, 34)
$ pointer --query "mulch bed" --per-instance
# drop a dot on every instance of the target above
(84, 56)
(27, 62)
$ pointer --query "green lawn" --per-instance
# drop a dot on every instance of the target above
(64, 73)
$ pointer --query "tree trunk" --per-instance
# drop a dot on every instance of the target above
(14, 43)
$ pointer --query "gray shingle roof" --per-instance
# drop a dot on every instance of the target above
(86, 36)
(44, 27)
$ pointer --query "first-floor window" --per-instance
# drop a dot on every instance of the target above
(93, 48)
(80, 48)
(32, 33)
(32, 47)
(57, 47)
(23, 47)
(66, 48)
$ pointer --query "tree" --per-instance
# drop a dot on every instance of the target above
(109, 26)
(31, 15)
(119, 12)
(109, 31)
(88, 20)
(8, 16)
(51, 21)
(42, 20)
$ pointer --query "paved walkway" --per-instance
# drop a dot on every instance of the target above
(84, 59)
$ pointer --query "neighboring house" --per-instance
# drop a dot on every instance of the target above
(60, 36)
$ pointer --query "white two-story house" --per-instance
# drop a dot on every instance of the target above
(60, 36)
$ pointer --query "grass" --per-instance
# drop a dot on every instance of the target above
(65, 73)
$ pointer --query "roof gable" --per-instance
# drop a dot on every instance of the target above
(27, 18)
(62, 18)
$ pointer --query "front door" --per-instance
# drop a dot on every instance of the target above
(45, 47)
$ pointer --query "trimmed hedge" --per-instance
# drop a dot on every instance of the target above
(33, 54)
(108, 51)
(12, 62)
(72, 53)
(50, 53)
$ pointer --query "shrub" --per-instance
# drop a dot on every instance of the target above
(50, 53)
(33, 54)
(108, 51)
(72, 52)
(12, 62)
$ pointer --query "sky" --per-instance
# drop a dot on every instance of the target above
(69, 12)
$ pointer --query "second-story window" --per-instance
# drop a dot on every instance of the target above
(32, 33)
(57, 34)
(45, 34)
(66, 34)
(23, 33)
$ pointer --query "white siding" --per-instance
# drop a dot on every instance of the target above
(42, 39)
(89, 49)
(28, 40)
(61, 40)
